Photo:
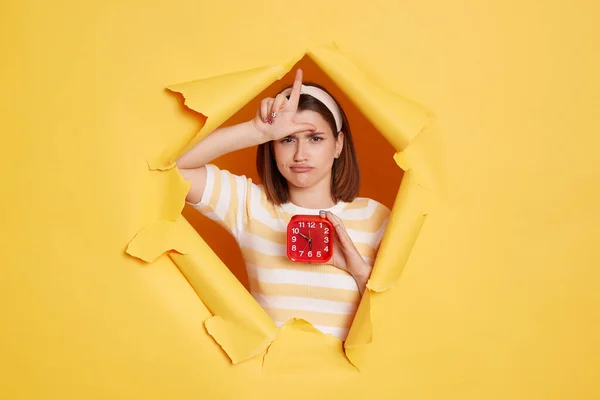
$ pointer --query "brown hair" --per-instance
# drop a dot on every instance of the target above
(345, 176)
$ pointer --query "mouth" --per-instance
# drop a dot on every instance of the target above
(300, 168)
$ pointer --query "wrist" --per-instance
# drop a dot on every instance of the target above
(360, 271)
(260, 136)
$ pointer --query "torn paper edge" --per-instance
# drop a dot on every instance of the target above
(243, 301)
(300, 324)
(238, 308)
(403, 216)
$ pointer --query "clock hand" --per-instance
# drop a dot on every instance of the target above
(304, 236)
(305, 245)
(309, 241)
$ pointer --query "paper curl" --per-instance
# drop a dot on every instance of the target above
(239, 325)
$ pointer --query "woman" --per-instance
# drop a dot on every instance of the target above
(307, 164)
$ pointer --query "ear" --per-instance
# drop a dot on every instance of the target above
(339, 143)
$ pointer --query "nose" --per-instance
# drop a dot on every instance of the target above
(300, 154)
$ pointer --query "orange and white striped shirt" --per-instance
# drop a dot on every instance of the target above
(321, 294)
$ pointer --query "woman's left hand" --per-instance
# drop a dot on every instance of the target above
(346, 256)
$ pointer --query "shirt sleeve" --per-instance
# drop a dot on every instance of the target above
(225, 199)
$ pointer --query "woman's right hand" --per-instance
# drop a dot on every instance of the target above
(275, 116)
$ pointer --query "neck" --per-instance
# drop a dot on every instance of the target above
(317, 196)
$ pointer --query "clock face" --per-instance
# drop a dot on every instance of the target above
(309, 239)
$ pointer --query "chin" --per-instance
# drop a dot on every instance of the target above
(306, 182)
(301, 183)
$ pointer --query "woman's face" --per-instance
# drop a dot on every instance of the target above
(306, 158)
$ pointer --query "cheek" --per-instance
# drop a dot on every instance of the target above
(279, 154)
(276, 152)
(327, 152)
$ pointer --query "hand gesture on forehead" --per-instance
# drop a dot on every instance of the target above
(275, 116)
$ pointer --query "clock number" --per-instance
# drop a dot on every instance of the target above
(316, 246)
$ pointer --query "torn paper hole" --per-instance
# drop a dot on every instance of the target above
(236, 313)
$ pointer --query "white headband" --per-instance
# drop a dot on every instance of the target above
(324, 98)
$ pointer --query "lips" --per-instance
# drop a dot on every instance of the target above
(300, 168)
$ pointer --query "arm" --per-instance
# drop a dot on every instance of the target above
(220, 142)
(361, 272)
(274, 120)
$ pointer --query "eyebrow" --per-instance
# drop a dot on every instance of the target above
(311, 134)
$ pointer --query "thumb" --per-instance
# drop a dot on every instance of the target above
(296, 128)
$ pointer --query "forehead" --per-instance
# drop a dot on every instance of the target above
(313, 117)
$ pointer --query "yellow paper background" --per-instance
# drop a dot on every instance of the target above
(240, 326)
(499, 298)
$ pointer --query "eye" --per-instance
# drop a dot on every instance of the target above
(286, 140)
(317, 138)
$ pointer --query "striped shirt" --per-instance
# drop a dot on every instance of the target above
(321, 294)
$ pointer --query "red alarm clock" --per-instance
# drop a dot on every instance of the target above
(310, 238)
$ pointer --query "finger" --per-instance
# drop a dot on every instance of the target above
(344, 240)
(337, 225)
(334, 219)
(342, 234)
(286, 92)
(270, 102)
(264, 109)
(337, 241)
(280, 99)
(338, 259)
(295, 94)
